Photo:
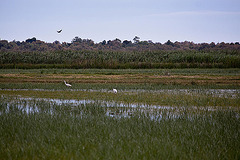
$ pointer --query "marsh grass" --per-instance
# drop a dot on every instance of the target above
(164, 98)
(110, 86)
(120, 59)
(129, 78)
(85, 132)
(200, 124)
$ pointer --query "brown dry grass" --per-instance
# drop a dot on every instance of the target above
(124, 78)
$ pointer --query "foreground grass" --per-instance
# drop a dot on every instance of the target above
(85, 132)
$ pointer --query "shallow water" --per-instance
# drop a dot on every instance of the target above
(114, 109)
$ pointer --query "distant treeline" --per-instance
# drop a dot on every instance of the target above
(84, 53)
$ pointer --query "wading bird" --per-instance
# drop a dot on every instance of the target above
(69, 85)
(59, 31)
(114, 90)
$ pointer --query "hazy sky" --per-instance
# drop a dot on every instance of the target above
(156, 20)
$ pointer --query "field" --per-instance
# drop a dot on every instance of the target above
(156, 114)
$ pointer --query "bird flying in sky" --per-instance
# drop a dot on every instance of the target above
(59, 31)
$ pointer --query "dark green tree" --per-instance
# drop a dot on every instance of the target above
(136, 39)
(30, 40)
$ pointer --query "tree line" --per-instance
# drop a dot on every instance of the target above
(77, 43)
(115, 54)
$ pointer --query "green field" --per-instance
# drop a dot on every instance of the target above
(156, 114)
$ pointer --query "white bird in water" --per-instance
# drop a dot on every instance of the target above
(114, 90)
(59, 31)
(69, 85)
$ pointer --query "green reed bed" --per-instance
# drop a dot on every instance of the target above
(120, 59)
(54, 131)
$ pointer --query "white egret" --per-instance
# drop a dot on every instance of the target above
(69, 85)
(114, 90)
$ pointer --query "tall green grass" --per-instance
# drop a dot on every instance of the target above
(86, 132)
(119, 59)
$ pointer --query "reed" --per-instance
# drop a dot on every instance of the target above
(119, 59)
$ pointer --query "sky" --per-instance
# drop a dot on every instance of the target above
(197, 21)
